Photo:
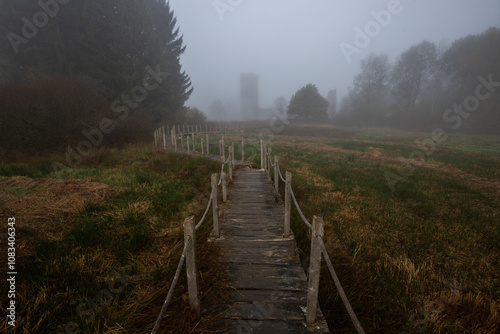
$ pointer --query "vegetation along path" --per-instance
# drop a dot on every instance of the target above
(263, 267)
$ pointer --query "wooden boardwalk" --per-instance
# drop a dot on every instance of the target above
(263, 267)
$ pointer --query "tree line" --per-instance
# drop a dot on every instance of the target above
(116, 58)
(429, 85)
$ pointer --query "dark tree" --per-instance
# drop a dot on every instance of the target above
(110, 43)
(307, 104)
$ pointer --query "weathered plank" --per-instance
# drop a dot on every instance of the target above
(263, 266)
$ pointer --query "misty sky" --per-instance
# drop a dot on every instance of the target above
(290, 43)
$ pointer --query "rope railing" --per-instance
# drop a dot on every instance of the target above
(190, 229)
(317, 244)
(170, 292)
(340, 289)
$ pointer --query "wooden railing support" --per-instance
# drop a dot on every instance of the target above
(232, 154)
(288, 187)
(269, 165)
(314, 270)
(276, 177)
(194, 142)
(262, 165)
(164, 137)
(192, 276)
(208, 145)
(215, 205)
(224, 187)
(230, 165)
(242, 149)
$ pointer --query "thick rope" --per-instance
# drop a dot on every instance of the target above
(300, 211)
(206, 211)
(347, 305)
(170, 292)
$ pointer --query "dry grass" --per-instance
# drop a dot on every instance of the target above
(423, 259)
(113, 228)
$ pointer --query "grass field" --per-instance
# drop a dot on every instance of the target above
(415, 243)
(420, 256)
(97, 245)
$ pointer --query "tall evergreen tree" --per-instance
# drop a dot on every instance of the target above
(108, 42)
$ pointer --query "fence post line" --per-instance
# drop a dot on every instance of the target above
(188, 144)
(208, 146)
(194, 147)
(288, 188)
(215, 205)
(261, 155)
(192, 277)
(224, 187)
(276, 177)
(242, 149)
(314, 270)
(175, 141)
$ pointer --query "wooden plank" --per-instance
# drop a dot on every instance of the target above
(244, 326)
(263, 267)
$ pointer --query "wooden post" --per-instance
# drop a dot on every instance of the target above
(164, 138)
(222, 151)
(174, 136)
(314, 270)
(224, 187)
(269, 165)
(288, 187)
(232, 154)
(192, 277)
(194, 147)
(276, 177)
(261, 155)
(242, 149)
(208, 145)
(182, 140)
(188, 144)
(230, 165)
(215, 205)
(265, 157)
(202, 146)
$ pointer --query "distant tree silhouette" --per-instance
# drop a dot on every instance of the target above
(307, 104)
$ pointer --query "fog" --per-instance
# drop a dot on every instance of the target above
(290, 43)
